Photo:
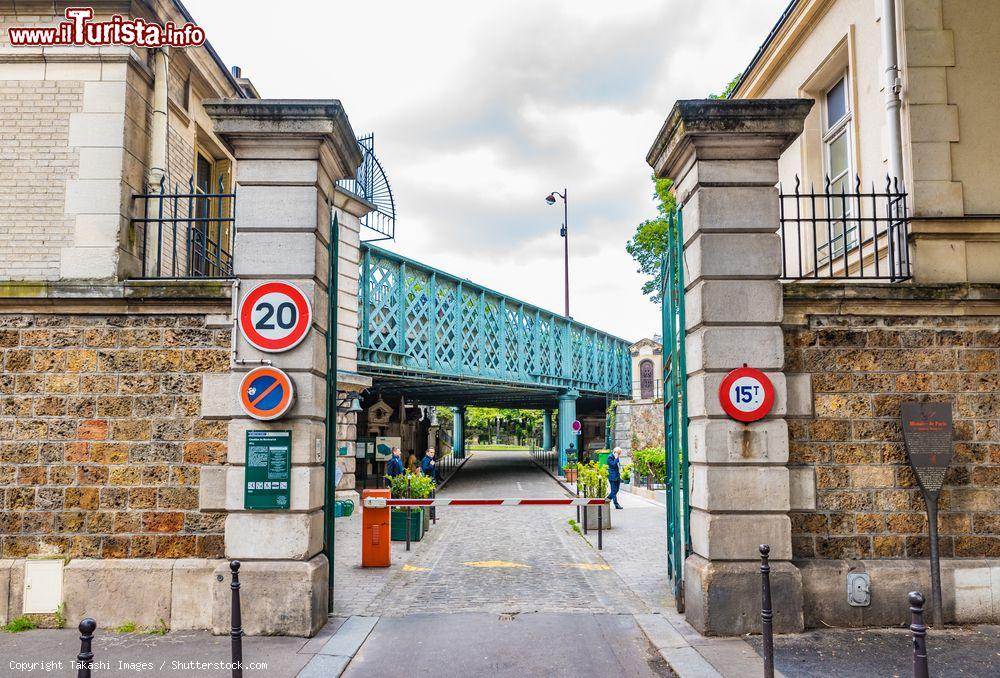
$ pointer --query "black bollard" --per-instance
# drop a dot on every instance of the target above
(766, 615)
(919, 632)
(236, 634)
(600, 527)
(407, 515)
(86, 656)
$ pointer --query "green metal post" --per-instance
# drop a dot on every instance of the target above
(546, 430)
(330, 460)
(567, 415)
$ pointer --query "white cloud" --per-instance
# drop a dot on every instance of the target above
(480, 109)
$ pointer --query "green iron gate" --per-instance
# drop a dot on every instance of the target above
(675, 406)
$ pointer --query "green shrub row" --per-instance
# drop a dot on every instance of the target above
(651, 461)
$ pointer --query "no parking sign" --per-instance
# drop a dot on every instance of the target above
(746, 394)
(266, 393)
(275, 316)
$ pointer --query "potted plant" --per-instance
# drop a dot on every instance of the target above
(570, 471)
(401, 487)
(594, 485)
(422, 487)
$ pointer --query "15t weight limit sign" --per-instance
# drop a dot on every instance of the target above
(746, 394)
(275, 316)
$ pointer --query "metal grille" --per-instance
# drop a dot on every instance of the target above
(839, 235)
(185, 232)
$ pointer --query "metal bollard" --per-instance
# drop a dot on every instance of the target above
(766, 615)
(919, 632)
(434, 515)
(408, 515)
(236, 633)
(86, 656)
(600, 527)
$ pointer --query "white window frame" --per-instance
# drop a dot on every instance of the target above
(832, 130)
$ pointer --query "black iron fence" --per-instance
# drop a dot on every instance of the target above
(839, 234)
(547, 459)
(185, 231)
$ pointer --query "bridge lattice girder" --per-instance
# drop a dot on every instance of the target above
(424, 325)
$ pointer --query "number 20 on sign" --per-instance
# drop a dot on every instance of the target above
(746, 394)
(275, 316)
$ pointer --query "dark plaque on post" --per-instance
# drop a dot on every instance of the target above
(268, 470)
(928, 435)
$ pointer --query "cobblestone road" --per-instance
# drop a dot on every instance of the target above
(502, 559)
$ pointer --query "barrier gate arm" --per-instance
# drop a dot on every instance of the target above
(381, 502)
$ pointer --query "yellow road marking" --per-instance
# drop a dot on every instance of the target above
(590, 566)
(413, 568)
(493, 563)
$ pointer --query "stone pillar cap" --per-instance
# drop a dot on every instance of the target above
(726, 129)
(323, 119)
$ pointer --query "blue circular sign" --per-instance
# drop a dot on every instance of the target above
(266, 393)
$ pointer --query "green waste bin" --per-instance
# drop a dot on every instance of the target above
(602, 457)
(343, 508)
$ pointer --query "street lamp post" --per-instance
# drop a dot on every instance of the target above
(564, 232)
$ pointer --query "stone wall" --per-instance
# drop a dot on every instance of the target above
(854, 495)
(101, 442)
(638, 426)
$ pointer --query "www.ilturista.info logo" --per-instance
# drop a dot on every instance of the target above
(79, 29)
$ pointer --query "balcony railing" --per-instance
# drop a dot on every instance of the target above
(841, 235)
(651, 389)
(184, 231)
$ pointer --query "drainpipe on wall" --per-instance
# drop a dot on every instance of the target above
(893, 85)
(158, 129)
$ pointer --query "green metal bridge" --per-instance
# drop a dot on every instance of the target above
(443, 340)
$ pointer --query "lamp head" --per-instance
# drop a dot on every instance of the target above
(551, 199)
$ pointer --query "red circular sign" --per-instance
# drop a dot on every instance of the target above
(746, 394)
(275, 316)
(266, 393)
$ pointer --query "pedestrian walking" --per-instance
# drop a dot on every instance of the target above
(395, 465)
(615, 475)
(428, 466)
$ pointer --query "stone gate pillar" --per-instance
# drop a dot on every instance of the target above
(288, 156)
(723, 159)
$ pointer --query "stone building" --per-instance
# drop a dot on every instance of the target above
(121, 437)
(638, 422)
(854, 294)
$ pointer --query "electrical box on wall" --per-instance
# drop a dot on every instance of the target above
(859, 589)
(43, 586)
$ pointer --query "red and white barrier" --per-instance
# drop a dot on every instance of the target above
(381, 502)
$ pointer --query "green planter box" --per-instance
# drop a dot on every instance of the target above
(398, 525)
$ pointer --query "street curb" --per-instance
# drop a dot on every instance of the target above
(331, 660)
(458, 468)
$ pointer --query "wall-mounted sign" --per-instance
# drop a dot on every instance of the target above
(266, 393)
(275, 316)
(384, 445)
(577, 427)
(268, 470)
(746, 394)
(927, 433)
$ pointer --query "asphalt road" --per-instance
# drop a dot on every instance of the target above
(484, 644)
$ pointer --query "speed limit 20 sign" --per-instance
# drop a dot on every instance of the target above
(275, 316)
(746, 394)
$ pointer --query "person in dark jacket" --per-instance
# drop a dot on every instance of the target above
(394, 466)
(615, 475)
(428, 466)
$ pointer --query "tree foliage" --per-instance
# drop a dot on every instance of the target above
(650, 239)
(730, 86)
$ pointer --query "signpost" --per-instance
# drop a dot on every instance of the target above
(928, 435)
(746, 394)
(266, 393)
(275, 316)
(577, 427)
(268, 470)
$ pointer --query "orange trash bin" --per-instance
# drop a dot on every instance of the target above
(375, 536)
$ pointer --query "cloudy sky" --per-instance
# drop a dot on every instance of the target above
(481, 109)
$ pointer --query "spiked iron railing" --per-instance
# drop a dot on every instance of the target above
(842, 235)
(417, 319)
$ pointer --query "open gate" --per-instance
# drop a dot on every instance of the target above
(675, 420)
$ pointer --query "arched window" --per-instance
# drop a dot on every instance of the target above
(646, 379)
